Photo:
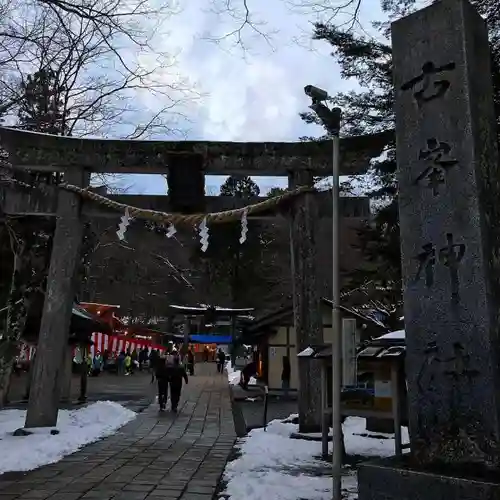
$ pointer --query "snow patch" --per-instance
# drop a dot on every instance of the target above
(76, 428)
(272, 465)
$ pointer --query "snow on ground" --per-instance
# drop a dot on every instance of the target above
(76, 429)
(272, 465)
(234, 376)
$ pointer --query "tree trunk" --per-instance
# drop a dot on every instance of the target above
(14, 324)
(6, 366)
(66, 375)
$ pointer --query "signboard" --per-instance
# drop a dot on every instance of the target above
(349, 361)
(383, 389)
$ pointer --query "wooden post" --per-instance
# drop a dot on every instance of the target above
(306, 304)
(187, 329)
(325, 427)
(84, 372)
(396, 409)
(54, 330)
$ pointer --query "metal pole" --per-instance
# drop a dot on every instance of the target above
(337, 327)
(187, 329)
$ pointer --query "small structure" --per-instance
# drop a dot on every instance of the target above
(275, 338)
(82, 325)
(380, 392)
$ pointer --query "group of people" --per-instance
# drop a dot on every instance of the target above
(125, 363)
(170, 374)
(169, 368)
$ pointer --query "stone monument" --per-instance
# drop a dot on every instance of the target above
(449, 180)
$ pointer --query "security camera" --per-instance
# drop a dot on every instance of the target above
(316, 94)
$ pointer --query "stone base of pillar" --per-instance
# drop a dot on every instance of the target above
(394, 479)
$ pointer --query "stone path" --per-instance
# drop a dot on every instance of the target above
(158, 455)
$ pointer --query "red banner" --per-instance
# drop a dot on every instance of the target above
(113, 343)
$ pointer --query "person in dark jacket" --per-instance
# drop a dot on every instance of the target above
(153, 358)
(190, 362)
(162, 372)
(286, 375)
(143, 357)
(221, 360)
(176, 375)
(247, 373)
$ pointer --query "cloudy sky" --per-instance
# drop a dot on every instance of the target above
(253, 90)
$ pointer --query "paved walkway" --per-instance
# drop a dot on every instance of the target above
(158, 455)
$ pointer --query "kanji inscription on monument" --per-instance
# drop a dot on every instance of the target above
(449, 178)
(438, 159)
(449, 255)
(431, 83)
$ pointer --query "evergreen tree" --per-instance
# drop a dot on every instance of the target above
(371, 110)
(239, 187)
(42, 107)
(276, 191)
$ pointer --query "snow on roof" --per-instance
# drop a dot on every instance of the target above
(217, 308)
(98, 304)
(308, 351)
(205, 308)
(397, 335)
(82, 313)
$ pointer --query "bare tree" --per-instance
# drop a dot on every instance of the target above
(243, 22)
(97, 86)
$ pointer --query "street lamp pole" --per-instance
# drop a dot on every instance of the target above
(336, 326)
(331, 120)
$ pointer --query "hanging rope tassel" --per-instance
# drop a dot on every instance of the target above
(122, 227)
(171, 231)
(244, 227)
(203, 231)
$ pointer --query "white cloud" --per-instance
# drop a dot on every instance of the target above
(255, 93)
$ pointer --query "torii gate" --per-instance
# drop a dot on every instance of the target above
(185, 164)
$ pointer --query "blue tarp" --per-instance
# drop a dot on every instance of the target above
(211, 339)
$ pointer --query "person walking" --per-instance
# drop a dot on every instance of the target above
(153, 359)
(135, 360)
(162, 372)
(143, 357)
(221, 360)
(190, 362)
(120, 363)
(286, 375)
(247, 373)
(177, 374)
(128, 364)
(96, 364)
(105, 359)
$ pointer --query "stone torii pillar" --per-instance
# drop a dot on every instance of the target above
(44, 397)
(306, 302)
